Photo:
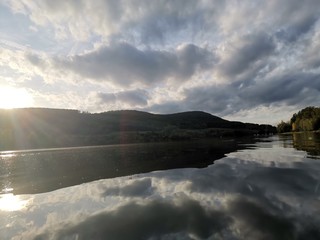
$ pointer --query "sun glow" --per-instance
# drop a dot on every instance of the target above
(10, 202)
(14, 98)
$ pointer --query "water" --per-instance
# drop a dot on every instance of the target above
(263, 189)
(36, 171)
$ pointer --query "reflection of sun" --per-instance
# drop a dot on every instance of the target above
(10, 202)
(14, 98)
(7, 154)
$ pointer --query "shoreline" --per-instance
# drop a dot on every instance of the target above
(300, 132)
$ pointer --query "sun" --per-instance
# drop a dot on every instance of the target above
(11, 97)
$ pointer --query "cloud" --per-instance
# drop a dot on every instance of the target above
(133, 98)
(124, 64)
(248, 51)
(295, 19)
(226, 58)
(139, 18)
(161, 21)
(290, 89)
(297, 29)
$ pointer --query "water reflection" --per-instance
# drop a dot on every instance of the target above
(309, 142)
(7, 154)
(41, 171)
(265, 192)
(305, 141)
(10, 202)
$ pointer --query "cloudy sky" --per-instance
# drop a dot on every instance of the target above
(254, 61)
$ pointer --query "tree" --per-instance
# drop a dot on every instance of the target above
(307, 119)
(283, 127)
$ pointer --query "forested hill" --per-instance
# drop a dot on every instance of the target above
(39, 127)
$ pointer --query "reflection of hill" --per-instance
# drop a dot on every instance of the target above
(41, 128)
(307, 141)
(42, 171)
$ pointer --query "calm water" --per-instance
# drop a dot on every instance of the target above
(227, 189)
(36, 171)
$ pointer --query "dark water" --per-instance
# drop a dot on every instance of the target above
(263, 189)
(37, 171)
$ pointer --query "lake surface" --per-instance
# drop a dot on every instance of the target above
(267, 188)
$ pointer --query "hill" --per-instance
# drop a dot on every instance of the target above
(44, 128)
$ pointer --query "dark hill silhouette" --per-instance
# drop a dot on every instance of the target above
(41, 127)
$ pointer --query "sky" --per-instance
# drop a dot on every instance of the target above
(252, 61)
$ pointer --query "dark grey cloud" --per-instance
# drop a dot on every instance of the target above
(294, 31)
(248, 52)
(310, 58)
(140, 19)
(136, 97)
(124, 64)
(291, 89)
(219, 100)
(34, 59)
(164, 21)
(294, 19)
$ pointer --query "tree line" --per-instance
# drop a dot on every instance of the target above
(307, 119)
(43, 128)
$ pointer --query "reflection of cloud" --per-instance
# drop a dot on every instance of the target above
(297, 182)
(254, 221)
(235, 198)
(143, 221)
(137, 188)
(10, 202)
(241, 218)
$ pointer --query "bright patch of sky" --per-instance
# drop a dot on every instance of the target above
(252, 61)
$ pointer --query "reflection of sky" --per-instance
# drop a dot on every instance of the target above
(266, 193)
